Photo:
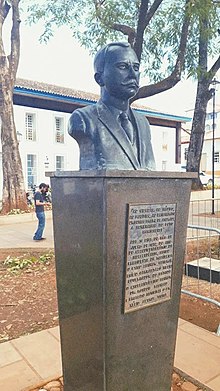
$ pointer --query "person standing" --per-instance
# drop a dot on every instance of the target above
(39, 210)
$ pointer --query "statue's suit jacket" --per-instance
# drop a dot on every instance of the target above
(104, 144)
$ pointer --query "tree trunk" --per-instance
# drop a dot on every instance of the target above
(14, 196)
(198, 130)
(202, 98)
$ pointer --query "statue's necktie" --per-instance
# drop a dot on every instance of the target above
(127, 126)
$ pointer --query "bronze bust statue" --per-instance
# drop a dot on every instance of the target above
(110, 134)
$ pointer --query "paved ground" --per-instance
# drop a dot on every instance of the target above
(28, 361)
(17, 231)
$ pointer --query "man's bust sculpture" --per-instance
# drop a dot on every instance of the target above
(110, 134)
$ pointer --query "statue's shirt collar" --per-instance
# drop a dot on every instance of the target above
(117, 112)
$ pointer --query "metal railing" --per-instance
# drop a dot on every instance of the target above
(202, 253)
(200, 212)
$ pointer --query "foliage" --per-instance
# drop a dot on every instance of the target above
(209, 186)
(162, 46)
(16, 212)
(90, 25)
(16, 264)
(172, 38)
(93, 23)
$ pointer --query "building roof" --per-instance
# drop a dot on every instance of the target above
(31, 85)
(52, 97)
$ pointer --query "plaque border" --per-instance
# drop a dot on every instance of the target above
(128, 207)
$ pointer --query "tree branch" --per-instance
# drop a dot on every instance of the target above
(144, 19)
(152, 11)
(214, 69)
(126, 30)
(98, 3)
(6, 9)
(15, 39)
(175, 76)
(138, 44)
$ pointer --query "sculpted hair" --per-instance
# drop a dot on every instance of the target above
(100, 57)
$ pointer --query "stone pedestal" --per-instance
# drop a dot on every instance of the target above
(119, 244)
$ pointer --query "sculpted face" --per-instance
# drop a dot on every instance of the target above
(120, 77)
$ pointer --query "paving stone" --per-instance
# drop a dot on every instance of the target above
(187, 386)
(17, 376)
(43, 353)
(204, 335)
(55, 331)
(198, 365)
(52, 384)
(8, 354)
(214, 384)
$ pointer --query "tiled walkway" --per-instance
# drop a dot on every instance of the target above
(198, 354)
(17, 231)
(28, 361)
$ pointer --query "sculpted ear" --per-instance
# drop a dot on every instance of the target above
(98, 79)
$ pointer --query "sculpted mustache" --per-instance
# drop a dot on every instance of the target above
(128, 83)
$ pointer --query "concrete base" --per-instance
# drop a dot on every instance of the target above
(205, 269)
(103, 348)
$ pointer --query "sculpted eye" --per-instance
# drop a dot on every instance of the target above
(136, 67)
(122, 66)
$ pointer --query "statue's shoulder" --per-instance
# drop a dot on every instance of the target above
(85, 111)
(81, 119)
(140, 116)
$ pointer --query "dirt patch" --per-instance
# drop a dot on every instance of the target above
(29, 302)
(207, 246)
(29, 299)
(200, 313)
(194, 310)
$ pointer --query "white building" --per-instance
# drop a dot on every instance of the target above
(41, 115)
(44, 143)
(207, 152)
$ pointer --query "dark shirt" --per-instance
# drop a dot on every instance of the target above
(38, 196)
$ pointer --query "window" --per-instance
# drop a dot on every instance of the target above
(216, 157)
(186, 153)
(59, 130)
(59, 163)
(30, 126)
(210, 127)
(210, 115)
(31, 170)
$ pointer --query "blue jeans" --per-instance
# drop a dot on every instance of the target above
(41, 225)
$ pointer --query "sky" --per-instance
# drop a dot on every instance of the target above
(62, 61)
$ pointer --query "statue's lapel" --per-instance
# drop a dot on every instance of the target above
(140, 138)
(106, 117)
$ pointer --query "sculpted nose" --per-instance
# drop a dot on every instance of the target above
(133, 73)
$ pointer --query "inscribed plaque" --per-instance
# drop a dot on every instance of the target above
(149, 262)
